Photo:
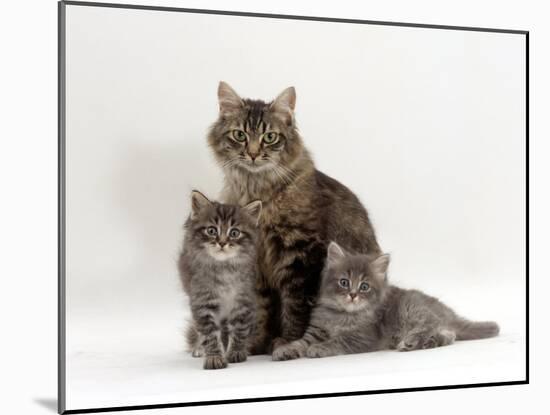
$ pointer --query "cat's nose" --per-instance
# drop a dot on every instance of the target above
(222, 244)
(253, 156)
(353, 295)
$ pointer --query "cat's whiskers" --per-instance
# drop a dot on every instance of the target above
(278, 174)
(286, 175)
(232, 162)
(229, 162)
(290, 173)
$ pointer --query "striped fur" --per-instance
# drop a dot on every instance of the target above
(218, 274)
(302, 208)
(349, 320)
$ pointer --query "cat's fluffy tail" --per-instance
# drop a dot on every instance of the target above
(471, 330)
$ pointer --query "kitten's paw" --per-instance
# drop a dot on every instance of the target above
(318, 350)
(215, 362)
(236, 356)
(430, 343)
(447, 337)
(278, 342)
(440, 338)
(285, 352)
(407, 344)
(198, 352)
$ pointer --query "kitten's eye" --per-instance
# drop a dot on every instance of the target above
(238, 135)
(364, 287)
(212, 231)
(234, 233)
(344, 283)
(270, 138)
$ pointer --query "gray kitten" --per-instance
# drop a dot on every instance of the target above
(358, 311)
(218, 268)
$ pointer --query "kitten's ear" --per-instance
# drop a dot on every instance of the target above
(284, 105)
(335, 253)
(380, 265)
(230, 102)
(198, 202)
(254, 209)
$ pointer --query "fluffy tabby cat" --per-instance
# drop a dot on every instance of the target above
(358, 311)
(263, 157)
(218, 268)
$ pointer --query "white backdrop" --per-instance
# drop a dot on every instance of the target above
(426, 126)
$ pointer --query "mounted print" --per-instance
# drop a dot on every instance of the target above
(263, 207)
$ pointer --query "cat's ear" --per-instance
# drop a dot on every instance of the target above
(380, 265)
(335, 253)
(254, 209)
(284, 105)
(198, 202)
(230, 102)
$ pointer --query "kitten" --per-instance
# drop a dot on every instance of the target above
(358, 311)
(263, 157)
(218, 268)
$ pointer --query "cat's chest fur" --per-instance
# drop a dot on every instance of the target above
(344, 322)
(288, 228)
(229, 287)
(290, 222)
(282, 206)
(227, 295)
(337, 322)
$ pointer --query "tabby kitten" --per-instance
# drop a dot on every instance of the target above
(263, 157)
(218, 266)
(358, 311)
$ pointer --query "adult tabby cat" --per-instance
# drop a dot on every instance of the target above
(263, 157)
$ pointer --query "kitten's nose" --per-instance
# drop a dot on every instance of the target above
(353, 295)
(222, 244)
(253, 155)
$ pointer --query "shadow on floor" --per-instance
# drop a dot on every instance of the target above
(48, 403)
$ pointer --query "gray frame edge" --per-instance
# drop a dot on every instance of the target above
(61, 311)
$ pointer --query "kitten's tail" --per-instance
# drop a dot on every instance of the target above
(471, 330)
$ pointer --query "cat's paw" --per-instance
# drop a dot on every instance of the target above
(440, 338)
(430, 343)
(318, 350)
(215, 362)
(236, 356)
(278, 342)
(408, 344)
(198, 352)
(285, 352)
(447, 337)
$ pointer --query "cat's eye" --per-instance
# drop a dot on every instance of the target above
(234, 233)
(270, 138)
(238, 135)
(212, 231)
(344, 283)
(364, 287)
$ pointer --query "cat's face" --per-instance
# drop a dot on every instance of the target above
(223, 232)
(254, 137)
(353, 282)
